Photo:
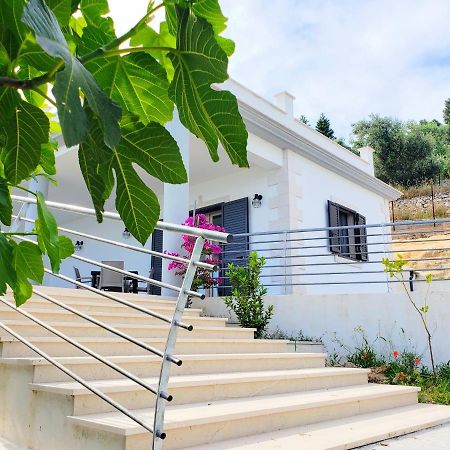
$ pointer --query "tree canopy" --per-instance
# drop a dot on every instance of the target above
(404, 153)
(323, 126)
(112, 96)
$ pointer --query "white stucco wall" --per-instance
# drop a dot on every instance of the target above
(388, 320)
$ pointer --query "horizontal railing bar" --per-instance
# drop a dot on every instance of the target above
(183, 229)
(338, 263)
(359, 272)
(135, 276)
(345, 254)
(227, 252)
(124, 272)
(327, 236)
(78, 379)
(121, 301)
(101, 324)
(84, 349)
(346, 227)
(147, 251)
(387, 281)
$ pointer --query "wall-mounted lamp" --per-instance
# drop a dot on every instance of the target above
(78, 245)
(126, 234)
(256, 202)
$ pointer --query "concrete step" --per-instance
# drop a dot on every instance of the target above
(10, 347)
(148, 366)
(202, 388)
(208, 423)
(8, 445)
(85, 329)
(85, 294)
(57, 314)
(102, 304)
(346, 433)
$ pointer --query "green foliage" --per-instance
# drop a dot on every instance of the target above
(364, 355)
(403, 154)
(303, 119)
(247, 295)
(323, 126)
(111, 100)
(446, 112)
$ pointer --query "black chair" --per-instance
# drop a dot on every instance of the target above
(80, 279)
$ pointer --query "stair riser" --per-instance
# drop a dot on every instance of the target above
(14, 349)
(95, 307)
(99, 371)
(73, 330)
(60, 316)
(181, 438)
(139, 398)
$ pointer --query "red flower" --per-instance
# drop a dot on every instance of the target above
(417, 361)
(395, 354)
(401, 376)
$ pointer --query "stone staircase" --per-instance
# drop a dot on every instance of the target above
(232, 392)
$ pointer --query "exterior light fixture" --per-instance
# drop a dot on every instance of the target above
(126, 234)
(78, 245)
(256, 202)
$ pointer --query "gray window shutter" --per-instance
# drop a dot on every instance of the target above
(333, 221)
(156, 263)
(361, 248)
(235, 221)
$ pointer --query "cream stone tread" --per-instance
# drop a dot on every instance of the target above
(29, 328)
(190, 415)
(121, 385)
(54, 312)
(99, 303)
(84, 293)
(81, 360)
(7, 445)
(345, 433)
(10, 347)
(148, 365)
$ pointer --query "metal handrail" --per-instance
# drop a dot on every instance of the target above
(77, 378)
(147, 251)
(175, 321)
(101, 324)
(165, 226)
(119, 300)
(86, 350)
(124, 272)
(170, 344)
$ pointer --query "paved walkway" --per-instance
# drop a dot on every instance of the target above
(436, 438)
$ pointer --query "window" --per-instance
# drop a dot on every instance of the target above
(347, 242)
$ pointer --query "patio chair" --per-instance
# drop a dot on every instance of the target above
(79, 278)
(111, 280)
(144, 286)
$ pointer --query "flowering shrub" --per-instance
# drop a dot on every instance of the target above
(210, 254)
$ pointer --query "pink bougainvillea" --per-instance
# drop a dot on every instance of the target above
(210, 254)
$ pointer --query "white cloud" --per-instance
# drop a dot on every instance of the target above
(346, 58)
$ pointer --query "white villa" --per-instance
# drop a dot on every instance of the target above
(84, 369)
(300, 178)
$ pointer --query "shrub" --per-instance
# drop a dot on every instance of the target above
(364, 355)
(210, 254)
(247, 295)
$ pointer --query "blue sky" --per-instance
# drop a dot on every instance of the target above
(346, 58)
